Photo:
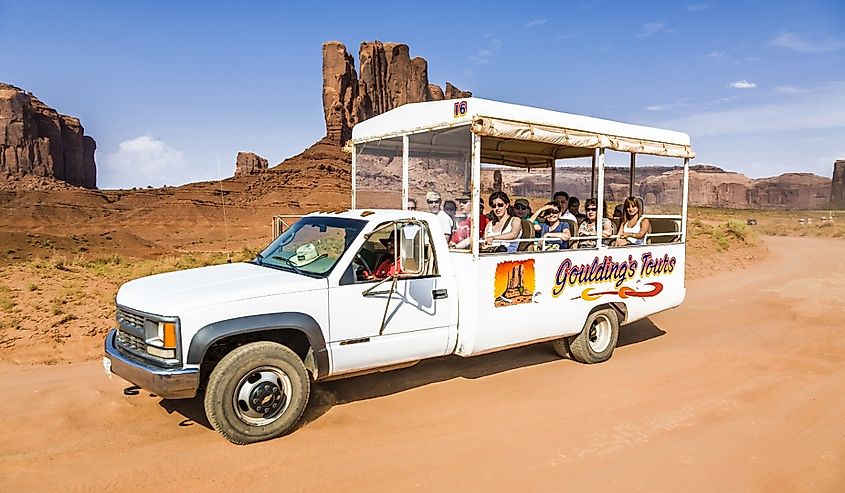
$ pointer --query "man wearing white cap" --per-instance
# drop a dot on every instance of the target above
(434, 201)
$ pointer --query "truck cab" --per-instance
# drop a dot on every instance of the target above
(383, 285)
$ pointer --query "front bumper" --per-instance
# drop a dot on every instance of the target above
(167, 383)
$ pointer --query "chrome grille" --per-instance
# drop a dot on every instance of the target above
(131, 344)
(125, 317)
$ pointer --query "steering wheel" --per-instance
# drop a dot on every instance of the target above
(359, 265)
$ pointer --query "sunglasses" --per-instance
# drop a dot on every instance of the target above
(463, 201)
(591, 209)
(519, 206)
(552, 211)
(433, 201)
(498, 205)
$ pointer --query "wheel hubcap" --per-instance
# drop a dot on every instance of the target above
(262, 396)
(600, 334)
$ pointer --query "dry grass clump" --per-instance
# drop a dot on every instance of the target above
(723, 236)
(823, 223)
(47, 302)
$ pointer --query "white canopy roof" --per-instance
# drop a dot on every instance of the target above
(564, 133)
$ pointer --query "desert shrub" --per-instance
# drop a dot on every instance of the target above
(7, 299)
(739, 230)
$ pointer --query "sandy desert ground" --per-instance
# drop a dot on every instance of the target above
(739, 389)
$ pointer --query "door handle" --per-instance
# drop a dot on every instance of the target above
(439, 294)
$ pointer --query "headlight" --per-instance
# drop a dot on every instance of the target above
(164, 345)
(167, 334)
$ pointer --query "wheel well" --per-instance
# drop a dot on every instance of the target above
(294, 339)
(619, 307)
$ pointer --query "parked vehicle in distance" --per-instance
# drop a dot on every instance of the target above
(378, 286)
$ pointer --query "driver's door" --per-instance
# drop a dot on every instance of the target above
(379, 322)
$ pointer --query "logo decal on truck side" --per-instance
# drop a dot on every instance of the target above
(514, 283)
(609, 270)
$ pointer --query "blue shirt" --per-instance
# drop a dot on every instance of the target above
(560, 228)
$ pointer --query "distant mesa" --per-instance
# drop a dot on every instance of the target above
(837, 186)
(389, 78)
(249, 163)
(37, 143)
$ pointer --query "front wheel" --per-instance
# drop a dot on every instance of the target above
(257, 392)
(597, 339)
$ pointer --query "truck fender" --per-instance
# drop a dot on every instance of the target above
(317, 357)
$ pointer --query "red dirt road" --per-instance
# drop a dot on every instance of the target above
(740, 389)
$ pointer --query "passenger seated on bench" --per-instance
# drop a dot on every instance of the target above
(588, 227)
(562, 199)
(573, 207)
(461, 237)
(634, 226)
(553, 228)
(502, 226)
(521, 208)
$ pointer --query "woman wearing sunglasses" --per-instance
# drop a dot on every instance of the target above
(556, 230)
(588, 227)
(502, 225)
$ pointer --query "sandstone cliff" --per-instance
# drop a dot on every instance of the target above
(837, 186)
(389, 78)
(38, 141)
(709, 186)
(249, 163)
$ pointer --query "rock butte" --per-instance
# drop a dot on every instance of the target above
(389, 78)
(36, 140)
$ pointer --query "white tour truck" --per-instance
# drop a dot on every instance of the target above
(378, 286)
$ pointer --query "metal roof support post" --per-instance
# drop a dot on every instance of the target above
(354, 173)
(685, 201)
(554, 175)
(600, 197)
(475, 194)
(405, 159)
(633, 174)
(593, 174)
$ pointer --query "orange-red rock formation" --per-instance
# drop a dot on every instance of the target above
(38, 141)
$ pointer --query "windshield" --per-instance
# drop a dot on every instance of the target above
(312, 246)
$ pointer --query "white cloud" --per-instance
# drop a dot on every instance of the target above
(143, 161)
(718, 55)
(653, 28)
(798, 42)
(689, 105)
(743, 84)
(534, 23)
(698, 7)
(822, 108)
(790, 90)
(775, 134)
(485, 54)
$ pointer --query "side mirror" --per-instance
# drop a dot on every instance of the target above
(412, 241)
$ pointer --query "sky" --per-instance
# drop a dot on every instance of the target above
(171, 91)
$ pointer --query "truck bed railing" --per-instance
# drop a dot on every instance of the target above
(281, 222)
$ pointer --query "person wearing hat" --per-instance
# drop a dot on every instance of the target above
(522, 209)
(434, 202)
(389, 265)
(460, 238)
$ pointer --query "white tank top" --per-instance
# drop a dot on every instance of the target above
(635, 229)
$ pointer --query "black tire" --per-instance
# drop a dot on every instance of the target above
(257, 392)
(597, 339)
(561, 347)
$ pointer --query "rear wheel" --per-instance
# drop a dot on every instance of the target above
(597, 339)
(257, 392)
